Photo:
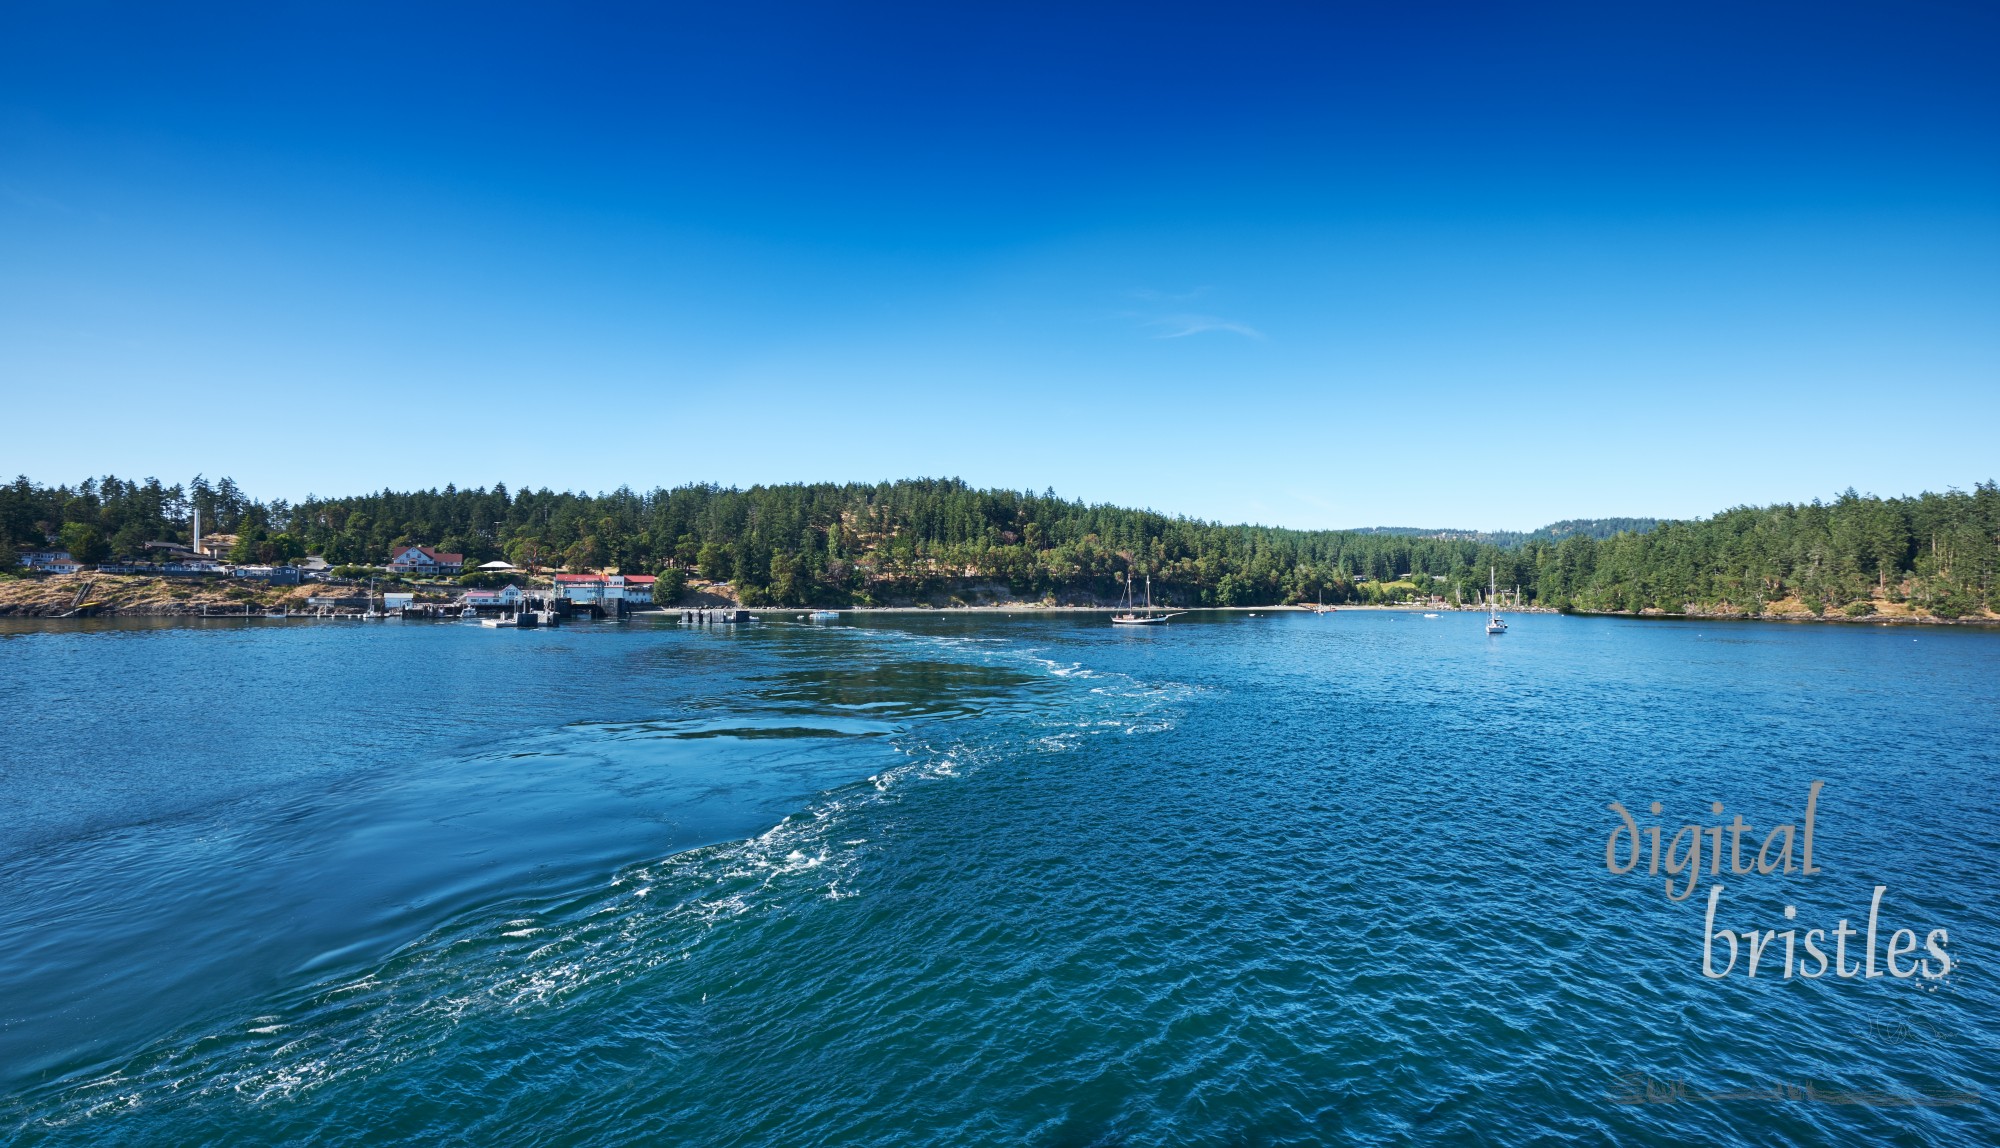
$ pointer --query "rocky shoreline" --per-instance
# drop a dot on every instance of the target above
(124, 595)
(1987, 619)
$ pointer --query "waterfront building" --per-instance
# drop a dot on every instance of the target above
(638, 587)
(585, 589)
(506, 598)
(50, 561)
(425, 560)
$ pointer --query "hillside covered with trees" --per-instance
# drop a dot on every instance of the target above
(931, 540)
(1598, 528)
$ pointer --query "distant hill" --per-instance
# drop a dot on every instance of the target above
(942, 543)
(1597, 529)
(1442, 534)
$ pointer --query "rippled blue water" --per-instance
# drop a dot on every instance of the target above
(979, 879)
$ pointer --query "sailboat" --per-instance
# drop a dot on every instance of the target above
(1133, 618)
(1493, 623)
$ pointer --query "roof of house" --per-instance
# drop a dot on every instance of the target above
(497, 564)
(640, 579)
(579, 577)
(436, 556)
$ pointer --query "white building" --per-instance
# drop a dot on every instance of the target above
(424, 560)
(638, 588)
(505, 598)
(50, 561)
(587, 588)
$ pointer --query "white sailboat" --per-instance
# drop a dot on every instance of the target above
(1131, 617)
(1493, 623)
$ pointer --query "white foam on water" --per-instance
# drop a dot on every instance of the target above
(469, 969)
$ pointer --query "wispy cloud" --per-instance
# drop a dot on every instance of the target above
(1181, 326)
(15, 193)
(1168, 322)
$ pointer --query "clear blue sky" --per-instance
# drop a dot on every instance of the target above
(1479, 266)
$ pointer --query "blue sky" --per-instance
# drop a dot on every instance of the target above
(1481, 266)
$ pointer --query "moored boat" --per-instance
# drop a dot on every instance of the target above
(1132, 617)
(1493, 623)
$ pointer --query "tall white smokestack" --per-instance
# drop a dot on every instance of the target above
(196, 545)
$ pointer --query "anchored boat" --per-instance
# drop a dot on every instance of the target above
(1132, 617)
(1493, 623)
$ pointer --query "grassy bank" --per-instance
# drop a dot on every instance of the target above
(148, 595)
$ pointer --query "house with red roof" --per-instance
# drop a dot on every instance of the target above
(583, 587)
(424, 560)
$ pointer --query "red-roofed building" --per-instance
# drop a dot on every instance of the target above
(638, 587)
(584, 589)
(424, 560)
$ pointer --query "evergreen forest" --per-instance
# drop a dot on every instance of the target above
(935, 540)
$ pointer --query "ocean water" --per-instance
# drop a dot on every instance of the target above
(978, 879)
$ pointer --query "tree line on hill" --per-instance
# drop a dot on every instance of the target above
(931, 539)
(1598, 528)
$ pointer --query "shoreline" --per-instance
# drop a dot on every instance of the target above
(1842, 620)
(1800, 618)
(152, 597)
(1039, 608)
